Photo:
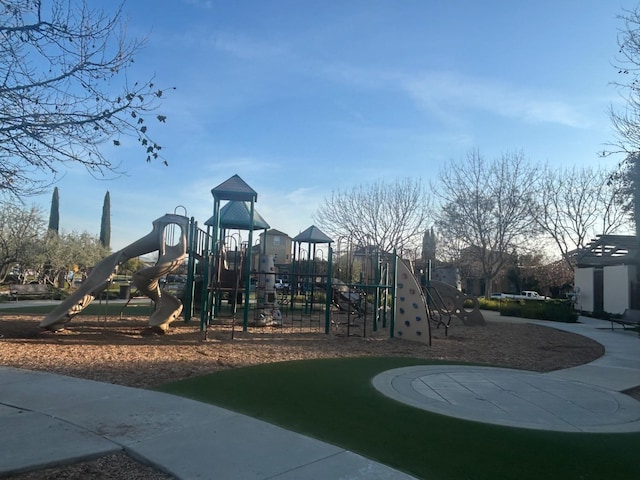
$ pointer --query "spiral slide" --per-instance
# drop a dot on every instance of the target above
(170, 257)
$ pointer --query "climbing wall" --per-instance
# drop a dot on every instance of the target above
(411, 320)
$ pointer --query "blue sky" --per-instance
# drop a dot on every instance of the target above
(300, 98)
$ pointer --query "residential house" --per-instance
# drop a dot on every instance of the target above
(276, 243)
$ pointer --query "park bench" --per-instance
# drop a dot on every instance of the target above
(29, 290)
(630, 318)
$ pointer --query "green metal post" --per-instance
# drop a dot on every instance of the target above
(386, 295)
(209, 299)
(309, 285)
(247, 283)
(328, 291)
(189, 285)
(376, 296)
(204, 300)
(392, 321)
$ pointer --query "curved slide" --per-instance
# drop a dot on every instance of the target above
(170, 257)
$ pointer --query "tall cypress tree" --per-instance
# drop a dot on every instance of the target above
(54, 215)
(105, 225)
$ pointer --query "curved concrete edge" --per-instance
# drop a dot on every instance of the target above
(511, 398)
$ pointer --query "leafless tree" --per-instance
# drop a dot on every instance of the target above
(453, 251)
(64, 91)
(383, 215)
(626, 121)
(573, 205)
(485, 206)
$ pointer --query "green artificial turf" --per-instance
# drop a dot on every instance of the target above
(333, 400)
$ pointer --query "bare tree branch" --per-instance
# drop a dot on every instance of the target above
(384, 215)
(574, 205)
(64, 91)
(485, 206)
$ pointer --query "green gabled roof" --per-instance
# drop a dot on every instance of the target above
(312, 235)
(237, 215)
(234, 189)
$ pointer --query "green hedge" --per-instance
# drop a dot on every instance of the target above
(489, 304)
(554, 310)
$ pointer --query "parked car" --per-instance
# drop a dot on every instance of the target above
(176, 278)
(524, 295)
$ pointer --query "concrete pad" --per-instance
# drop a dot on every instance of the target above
(237, 447)
(63, 420)
(41, 391)
(609, 377)
(343, 466)
(512, 398)
(32, 441)
(133, 415)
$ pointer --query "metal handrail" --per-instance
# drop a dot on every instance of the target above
(435, 299)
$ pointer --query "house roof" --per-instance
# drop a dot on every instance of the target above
(312, 235)
(235, 189)
(607, 250)
(238, 215)
(273, 231)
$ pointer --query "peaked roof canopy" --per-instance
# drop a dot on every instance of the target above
(234, 189)
(312, 235)
(238, 215)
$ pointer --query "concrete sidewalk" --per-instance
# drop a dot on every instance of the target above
(51, 419)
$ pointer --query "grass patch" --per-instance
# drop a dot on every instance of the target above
(333, 400)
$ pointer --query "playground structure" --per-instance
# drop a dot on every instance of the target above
(446, 301)
(172, 248)
(351, 291)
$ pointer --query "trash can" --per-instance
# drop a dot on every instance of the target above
(125, 292)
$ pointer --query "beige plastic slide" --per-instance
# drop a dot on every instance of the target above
(170, 257)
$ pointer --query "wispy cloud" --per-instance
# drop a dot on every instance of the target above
(446, 94)
(287, 210)
(245, 47)
(301, 194)
(247, 164)
(241, 46)
(206, 4)
(440, 92)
